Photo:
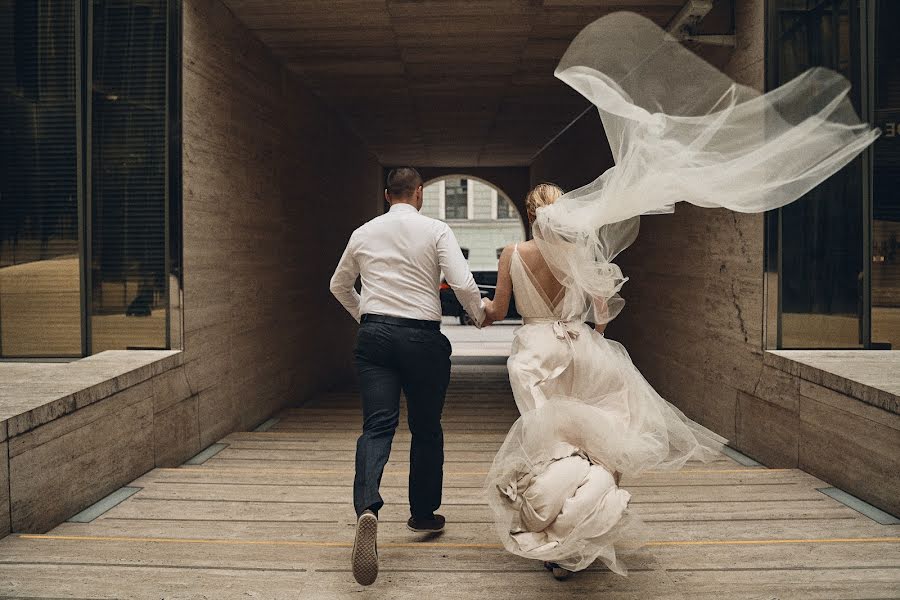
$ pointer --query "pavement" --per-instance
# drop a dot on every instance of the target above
(267, 514)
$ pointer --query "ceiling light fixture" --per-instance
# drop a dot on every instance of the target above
(684, 25)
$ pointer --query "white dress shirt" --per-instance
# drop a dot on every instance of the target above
(400, 256)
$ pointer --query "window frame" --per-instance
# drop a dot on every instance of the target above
(773, 262)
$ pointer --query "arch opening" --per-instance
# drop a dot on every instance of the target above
(483, 217)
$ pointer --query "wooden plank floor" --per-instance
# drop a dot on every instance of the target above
(270, 516)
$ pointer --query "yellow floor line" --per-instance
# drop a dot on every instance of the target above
(301, 471)
(350, 472)
(889, 540)
(329, 544)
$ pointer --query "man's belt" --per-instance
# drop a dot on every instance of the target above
(401, 322)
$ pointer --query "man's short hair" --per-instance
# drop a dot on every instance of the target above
(402, 182)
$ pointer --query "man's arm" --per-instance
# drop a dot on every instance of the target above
(344, 280)
(458, 276)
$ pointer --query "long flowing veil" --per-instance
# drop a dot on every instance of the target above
(680, 130)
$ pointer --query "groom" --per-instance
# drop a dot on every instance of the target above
(400, 257)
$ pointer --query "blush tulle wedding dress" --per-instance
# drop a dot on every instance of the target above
(680, 131)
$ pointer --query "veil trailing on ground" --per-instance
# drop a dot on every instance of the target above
(680, 130)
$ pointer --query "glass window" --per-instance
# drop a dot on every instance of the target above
(505, 209)
(456, 199)
(886, 179)
(128, 183)
(40, 269)
(821, 259)
(84, 172)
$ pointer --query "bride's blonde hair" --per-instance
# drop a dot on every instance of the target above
(543, 194)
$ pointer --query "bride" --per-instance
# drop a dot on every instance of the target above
(587, 417)
(679, 130)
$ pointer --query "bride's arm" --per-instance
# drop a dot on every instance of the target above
(496, 310)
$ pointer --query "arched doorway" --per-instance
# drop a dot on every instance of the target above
(484, 221)
(482, 217)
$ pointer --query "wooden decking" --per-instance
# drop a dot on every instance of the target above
(270, 516)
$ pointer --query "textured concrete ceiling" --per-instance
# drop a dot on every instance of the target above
(441, 83)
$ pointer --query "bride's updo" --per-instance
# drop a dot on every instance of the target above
(544, 194)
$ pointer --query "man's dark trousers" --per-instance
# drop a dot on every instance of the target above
(391, 358)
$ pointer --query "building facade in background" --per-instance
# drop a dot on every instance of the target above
(482, 218)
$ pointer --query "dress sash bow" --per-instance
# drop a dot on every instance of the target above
(564, 330)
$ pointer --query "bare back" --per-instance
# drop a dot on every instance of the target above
(540, 272)
(539, 275)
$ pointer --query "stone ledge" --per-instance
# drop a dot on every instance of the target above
(80, 430)
(870, 376)
(35, 393)
(835, 416)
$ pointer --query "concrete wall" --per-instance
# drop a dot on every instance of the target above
(577, 156)
(693, 321)
(273, 185)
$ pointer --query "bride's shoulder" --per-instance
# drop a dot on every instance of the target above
(508, 250)
(527, 247)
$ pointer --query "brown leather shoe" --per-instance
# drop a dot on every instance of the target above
(431, 524)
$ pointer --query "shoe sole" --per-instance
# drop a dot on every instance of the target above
(414, 530)
(365, 553)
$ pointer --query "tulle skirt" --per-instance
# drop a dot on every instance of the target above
(587, 412)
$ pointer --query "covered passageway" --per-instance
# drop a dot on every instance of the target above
(185, 427)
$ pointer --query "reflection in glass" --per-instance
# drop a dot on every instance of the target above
(886, 182)
(821, 235)
(40, 294)
(128, 179)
